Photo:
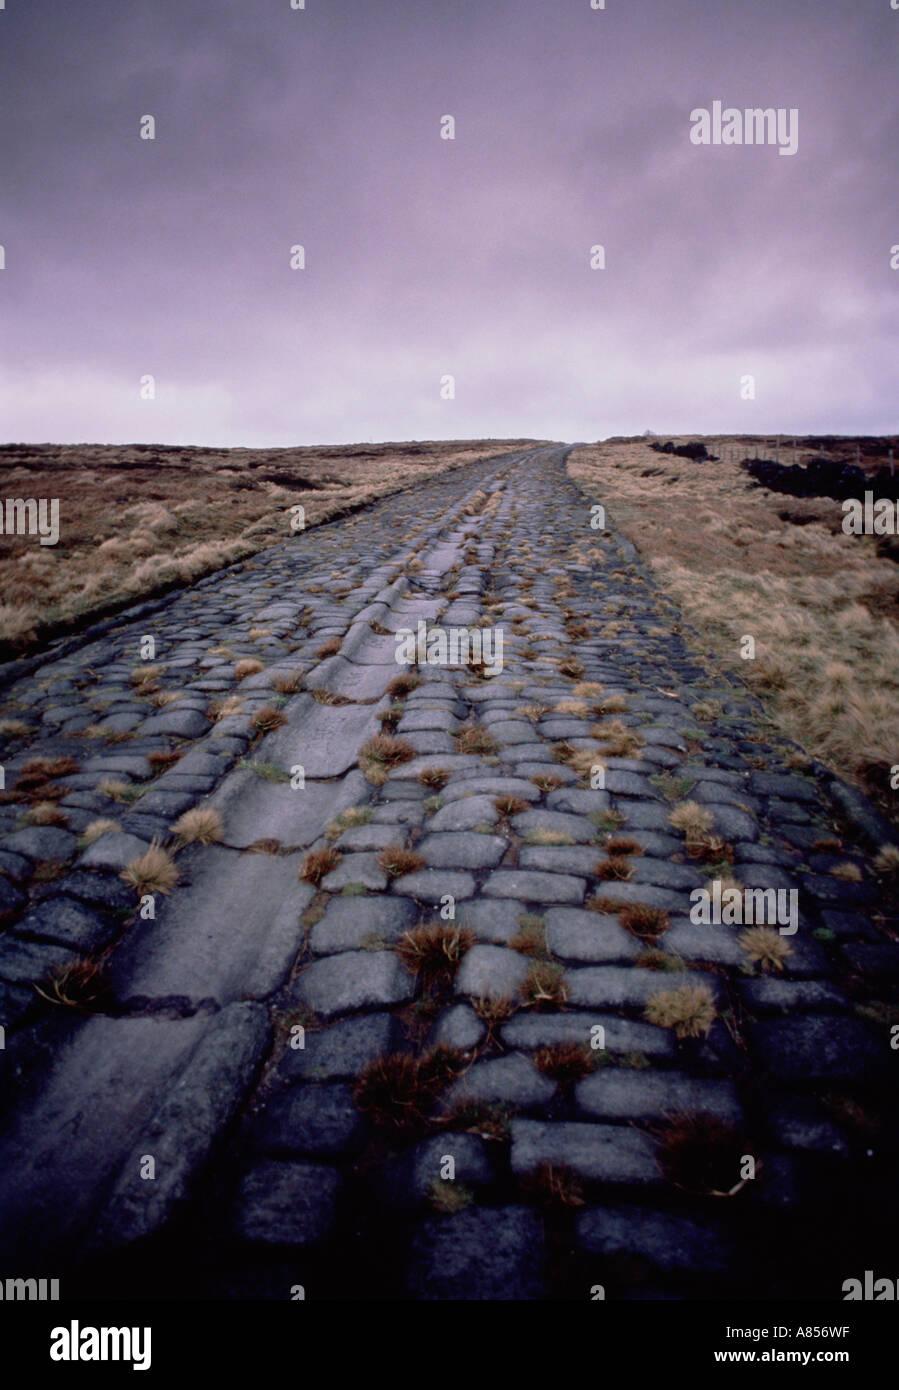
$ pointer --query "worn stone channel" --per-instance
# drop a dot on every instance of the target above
(405, 1029)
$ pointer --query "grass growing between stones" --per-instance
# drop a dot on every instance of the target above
(566, 1063)
(348, 819)
(318, 864)
(554, 1185)
(82, 984)
(154, 871)
(399, 1091)
(473, 739)
(666, 961)
(765, 947)
(269, 772)
(396, 860)
(530, 940)
(436, 777)
(433, 953)
(403, 685)
(548, 781)
(248, 666)
(622, 844)
(96, 828)
(45, 813)
(201, 825)
(701, 1155)
(490, 1120)
(544, 986)
(381, 754)
(616, 739)
(688, 1009)
(616, 867)
(267, 719)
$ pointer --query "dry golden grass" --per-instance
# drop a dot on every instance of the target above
(223, 709)
(154, 871)
(201, 826)
(396, 860)
(102, 826)
(821, 605)
(318, 864)
(765, 947)
(288, 684)
(135, 519)
(381, 753)
(249, 666)
(887, 861)
(471, 738)
(694, 820)
(45, 813)
(434, 952)
(688, 1009)
(267, 719)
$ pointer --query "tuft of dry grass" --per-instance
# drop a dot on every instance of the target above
(45, 813)
(224, 709)
(37, 772)
(617, 740)
(647, 923)
(154, 871)
(164, 758)
(554, 1186)
(544, 986)
(566, 1062)
(13, 728)
(114, 787)
(82, 984)
(434, 952)
(248, 666)
(547, 781)
(403, 685)
(267, 719)
(399, 1091)
(436, 777)
(288, 684)
(381, 754)
(471, 738)
(586, 761)
(688, 1009)
(201, 825)
(617, 866)
(542, 835)
(318, 864)
(765, 947)
(887, 861)
(329, 648)
(508, 805)
(623, 844)
(848, 872)
(609, 704)
(694, 820)
(96, 828)
(396, 860)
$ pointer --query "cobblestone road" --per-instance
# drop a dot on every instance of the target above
(437, 1023)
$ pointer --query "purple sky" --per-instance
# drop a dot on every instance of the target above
(424, 256)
